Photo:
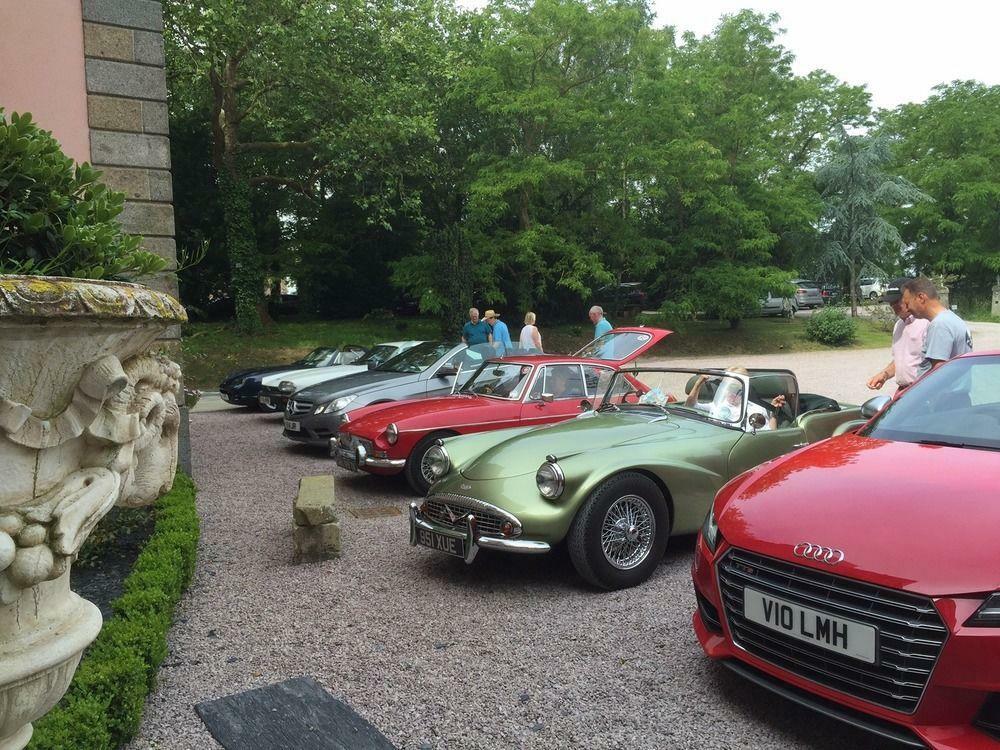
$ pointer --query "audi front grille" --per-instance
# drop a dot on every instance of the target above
(488, 523)
(910, 632)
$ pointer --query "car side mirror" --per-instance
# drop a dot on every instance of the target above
(756, 421)
(585, 405)
(447, 370)
(372, 364)
(874, 405)
(547, 398)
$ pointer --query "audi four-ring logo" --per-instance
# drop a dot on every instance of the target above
(810, 551)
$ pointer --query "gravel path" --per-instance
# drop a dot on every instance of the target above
(509, 652)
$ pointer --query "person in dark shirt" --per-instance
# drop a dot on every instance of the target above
(476, 331)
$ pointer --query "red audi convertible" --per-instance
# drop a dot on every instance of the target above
(861, 576)
(514, 391)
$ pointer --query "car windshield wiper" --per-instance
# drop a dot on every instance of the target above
(609, 406)
(949, 444)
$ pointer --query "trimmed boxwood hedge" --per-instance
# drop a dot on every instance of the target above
(103, 706)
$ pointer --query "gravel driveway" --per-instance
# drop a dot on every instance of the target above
(509, 652)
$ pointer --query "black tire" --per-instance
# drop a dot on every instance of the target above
(414, 476)
(585, 535)
(872, 296)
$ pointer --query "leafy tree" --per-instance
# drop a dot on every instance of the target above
(856, 188)
(949, 146)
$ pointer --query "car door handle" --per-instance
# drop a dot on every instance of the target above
(800, 445)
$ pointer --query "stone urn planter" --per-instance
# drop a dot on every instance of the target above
(88, 419)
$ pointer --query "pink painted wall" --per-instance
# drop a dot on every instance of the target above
(42, 69)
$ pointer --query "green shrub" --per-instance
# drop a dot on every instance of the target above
(831, 326)
(103, 707)
(56, 218)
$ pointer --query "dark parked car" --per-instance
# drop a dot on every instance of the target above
(243, 386)
(314, 414)
(832, 293)
(628, 296)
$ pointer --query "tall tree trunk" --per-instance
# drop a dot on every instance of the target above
(246, 270)
(854, 291)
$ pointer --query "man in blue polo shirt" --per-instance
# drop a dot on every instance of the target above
(601, 324)
(476, 331)
(501, 336)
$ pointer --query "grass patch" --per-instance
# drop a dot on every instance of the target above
(213, 349)
(103, 706)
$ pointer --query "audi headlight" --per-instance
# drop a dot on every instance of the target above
(550, 479)
(710, 531)
(391, 433)
(988, 615)
(437, 460)
(286, 386)
(237, 384)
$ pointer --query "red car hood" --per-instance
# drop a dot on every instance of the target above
(916, 517)
(420, 413)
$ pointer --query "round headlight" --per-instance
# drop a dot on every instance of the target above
(286, 386)
(550, 480)
(437, 460)
(392, 433)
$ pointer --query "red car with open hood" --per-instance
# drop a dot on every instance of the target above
(861, 576)
(513, 391)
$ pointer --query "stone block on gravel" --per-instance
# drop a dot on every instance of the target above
(314, 501)
(315, 543)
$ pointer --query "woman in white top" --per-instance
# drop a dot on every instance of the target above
(530, 337)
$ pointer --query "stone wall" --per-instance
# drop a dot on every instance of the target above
(127, 112)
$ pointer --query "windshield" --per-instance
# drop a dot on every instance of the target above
(377, 355)
(615, 345)
(702, 394)
(957, 405)
(499, 380)
(317, 356)
(417, 359)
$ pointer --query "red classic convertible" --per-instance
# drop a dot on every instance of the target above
(514, 391)
(861, 576)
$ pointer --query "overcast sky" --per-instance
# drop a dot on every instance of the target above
(899, 49)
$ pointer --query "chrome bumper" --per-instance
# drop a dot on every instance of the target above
(472, 538)
(359, 458)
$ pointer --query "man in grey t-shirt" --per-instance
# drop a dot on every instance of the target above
(947, 334)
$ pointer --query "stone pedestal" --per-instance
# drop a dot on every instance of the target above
(88, 419)
(316, 535)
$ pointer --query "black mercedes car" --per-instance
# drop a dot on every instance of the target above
(314, 414)
(243, 386)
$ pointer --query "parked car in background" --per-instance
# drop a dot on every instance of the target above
(807, 294)
(278, 387)
(509, 392)
(626, 297)
(431, 368)
(772, 306)
(832, 293)
(243, 386)
(617, 482)
(871, 288)
(861, 576)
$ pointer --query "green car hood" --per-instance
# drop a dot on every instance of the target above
(524, 453)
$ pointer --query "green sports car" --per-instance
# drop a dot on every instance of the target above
(641, 463)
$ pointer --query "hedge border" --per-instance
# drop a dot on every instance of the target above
(104, 704)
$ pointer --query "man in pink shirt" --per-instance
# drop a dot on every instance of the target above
(907, 342)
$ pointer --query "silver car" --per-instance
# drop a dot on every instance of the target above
(807, 293)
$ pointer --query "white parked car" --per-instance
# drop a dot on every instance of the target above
(276, 389)
(871, 288)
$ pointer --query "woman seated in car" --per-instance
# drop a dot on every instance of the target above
(728, 400)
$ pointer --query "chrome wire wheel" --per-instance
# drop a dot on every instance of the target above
(628, 532)
(425, 469)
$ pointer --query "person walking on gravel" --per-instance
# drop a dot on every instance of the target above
(907, 342)
(476, 331)
(531, 339)
(947, 334)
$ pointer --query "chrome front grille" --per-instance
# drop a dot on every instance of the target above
(438, 507)
(296, 408)
(910, 632)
